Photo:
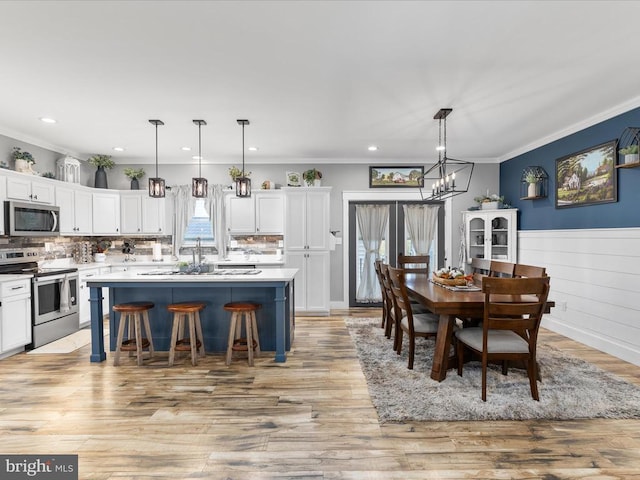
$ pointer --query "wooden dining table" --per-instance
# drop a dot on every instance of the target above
(449, 305)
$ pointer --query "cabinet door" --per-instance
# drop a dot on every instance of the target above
(269, 213)
(317, 282)
(296, 221)
(106, 213)
(317, 220)
(42, 192)
(130, 214)
(15, 322)
(83, 212)
(153, 215)
(65, 200)
(84, 307)
(298, 260)
(19, 189)
(241, 214)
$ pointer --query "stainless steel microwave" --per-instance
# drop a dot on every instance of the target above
(31, 220)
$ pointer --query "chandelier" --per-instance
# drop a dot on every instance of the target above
(448, 177)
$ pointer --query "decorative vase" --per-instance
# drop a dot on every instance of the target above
(490, 205)
(134, 184)
(317, 182)
(531, 191)
(631, 158)
(101, 178)
(22, 165)
(99, 257)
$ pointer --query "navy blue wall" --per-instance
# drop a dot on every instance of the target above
(541, 214)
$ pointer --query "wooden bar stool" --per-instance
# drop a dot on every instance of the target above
(195, 342)
(237, 343)
(132, 312)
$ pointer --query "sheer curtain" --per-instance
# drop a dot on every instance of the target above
(421, 221)
(184, 206)
(372, 222)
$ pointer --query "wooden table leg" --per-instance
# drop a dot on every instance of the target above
(443, 347)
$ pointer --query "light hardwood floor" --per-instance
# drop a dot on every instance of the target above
(309, 418)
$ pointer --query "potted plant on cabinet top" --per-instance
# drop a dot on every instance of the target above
(489, 202)
(134, 174)
(24, 160)
(630, 154)
(101, 162)
(312, 177)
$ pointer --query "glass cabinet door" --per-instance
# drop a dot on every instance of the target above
(476, 237)
(500, 238)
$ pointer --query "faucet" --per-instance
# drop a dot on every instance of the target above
(199, 250)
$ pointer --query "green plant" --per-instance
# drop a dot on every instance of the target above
(489, 198)
(18, 154)
(48, 175)
(102, 246)
(102, 161)
(630, 150)
(134, 173)
(235, 172)
(311, 175)
(531, 177)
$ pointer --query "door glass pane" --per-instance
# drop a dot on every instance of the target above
(383, 254)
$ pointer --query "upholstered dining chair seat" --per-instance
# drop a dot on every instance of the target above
(498, 341)
(424, 323)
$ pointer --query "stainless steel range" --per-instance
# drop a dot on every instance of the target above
(54, 295)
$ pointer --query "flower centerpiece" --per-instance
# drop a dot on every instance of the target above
(101, 162)
(489, 201)
(451, 276)
(134, 174)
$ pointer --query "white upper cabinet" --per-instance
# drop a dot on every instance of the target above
(106, 213)
(154, 215)
(30, 189)
(141, 214)
(262, 213)
(76, 214)
(130, 213)
(307, 219)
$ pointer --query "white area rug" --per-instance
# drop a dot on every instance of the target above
(66, 344)
(570, 388)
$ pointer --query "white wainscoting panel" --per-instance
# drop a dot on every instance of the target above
(595, 282)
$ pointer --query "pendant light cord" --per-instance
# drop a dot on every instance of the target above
(156, 150)
(199, 150)
(243, 149)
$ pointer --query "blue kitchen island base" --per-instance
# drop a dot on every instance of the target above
(274, 291)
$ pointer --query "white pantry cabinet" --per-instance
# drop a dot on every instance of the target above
(307, 247)
(15, 315)
(76, 214)
(491, 234)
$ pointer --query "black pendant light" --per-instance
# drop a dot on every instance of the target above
(199, 184)
(156, 184)
(243, 184)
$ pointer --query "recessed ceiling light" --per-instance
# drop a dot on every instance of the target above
(252, 149)
(47, 120)
(186, 149)
(372, 148)
(118, 149)
(196, 157)
(440, 148)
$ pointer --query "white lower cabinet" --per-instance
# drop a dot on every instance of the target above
(84, 306)
(15, 315)
(312, 282)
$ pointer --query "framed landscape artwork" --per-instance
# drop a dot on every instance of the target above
(396, 177)
(587, 177)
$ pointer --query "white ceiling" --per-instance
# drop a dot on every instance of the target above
(319, 80)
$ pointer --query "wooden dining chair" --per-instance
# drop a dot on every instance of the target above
(377, 264)
(387, 294)
(414, 263)
(513, 309)
(528, 271)
(415, 325)
(480, 267)
(501, 269)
